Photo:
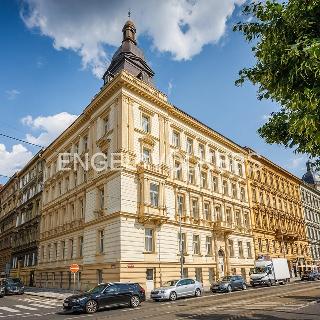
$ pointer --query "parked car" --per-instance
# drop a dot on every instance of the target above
(310, 275)
(228, 284)
(173, 289)
(12, 285)
(106, 295)
(2, 291)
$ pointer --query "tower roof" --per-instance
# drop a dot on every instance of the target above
(310, 177)
(129, 57)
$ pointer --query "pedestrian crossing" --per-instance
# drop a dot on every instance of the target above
(24, 307)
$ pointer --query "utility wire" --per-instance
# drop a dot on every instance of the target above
(17, 139)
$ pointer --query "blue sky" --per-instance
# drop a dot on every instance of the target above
(41, 78)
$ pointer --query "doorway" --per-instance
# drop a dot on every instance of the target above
(150, 279)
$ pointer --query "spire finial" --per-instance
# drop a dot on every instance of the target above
(129, 13)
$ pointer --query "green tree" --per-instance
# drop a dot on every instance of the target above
(285, 41)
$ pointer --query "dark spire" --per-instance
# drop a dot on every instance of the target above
(310, 177)
(129, 57)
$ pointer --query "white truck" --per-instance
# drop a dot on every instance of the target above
(269, 272)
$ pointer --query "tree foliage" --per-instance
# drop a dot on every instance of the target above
(286, 44)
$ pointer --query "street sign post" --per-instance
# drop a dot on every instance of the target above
(74, 268)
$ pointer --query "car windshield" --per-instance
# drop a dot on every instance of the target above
(259, 270)
(16, 280)
(228, 278)
(9, 281)
(170, 283)
(97, 289)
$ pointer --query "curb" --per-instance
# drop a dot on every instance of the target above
(43, 295)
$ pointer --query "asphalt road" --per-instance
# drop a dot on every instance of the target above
(300, 300)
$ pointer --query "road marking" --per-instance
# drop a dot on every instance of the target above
(24, 307)
(41, 305)
(9, 309)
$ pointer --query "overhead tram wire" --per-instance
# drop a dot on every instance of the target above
(20, 140)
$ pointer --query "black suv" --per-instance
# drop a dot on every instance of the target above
(106, 295)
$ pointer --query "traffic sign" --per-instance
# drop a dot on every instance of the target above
(74, 268)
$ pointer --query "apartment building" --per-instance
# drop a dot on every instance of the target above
(153, 169)
(277, 216)
(26, 233)
(310, 194)
(8, 201)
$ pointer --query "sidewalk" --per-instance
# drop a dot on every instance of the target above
(59, 294)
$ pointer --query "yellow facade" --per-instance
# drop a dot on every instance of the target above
(277, 217)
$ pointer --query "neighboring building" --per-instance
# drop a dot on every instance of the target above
(27, 228)
(310, 195)
(278, 221)
(122, 224)
(8, 202)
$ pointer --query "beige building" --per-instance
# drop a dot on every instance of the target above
(122, 223)
(278, 220)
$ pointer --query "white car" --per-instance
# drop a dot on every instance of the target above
(173, 289)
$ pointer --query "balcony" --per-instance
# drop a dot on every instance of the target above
(159, 170)
(223, 226)
(151, 214)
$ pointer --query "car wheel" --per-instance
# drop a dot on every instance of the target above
(197, 292)
(229, 289)
(244, 286)
(269, 284)
(91, 306)
(173, 296)
(134, 301)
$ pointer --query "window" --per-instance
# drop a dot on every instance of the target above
(55, 251)
(71, 248)
(148, 240)
(228, 215)
(231, 167)
(199, 274)
(208, 245)
(180, 205)
(101, 198)
(225, 187)
(254, 195)
(81, 208)
(176, 139)
(204, 183)
(249, 251)
(105, 125)
(194, 208)
(85, 143)
(145, 123)
(177, 170)
(222, 161)
(191, 175)
(242, 194)
(75, 178)
(67, 184)
(213, 157)
(259, 244)
(238, 218)
(49, 253)
(63, 249)
(231, 250)
(240, 170)
(207, 211)
(240, 248)
(146, 155)
(202, 152)
(234, 190)
(101, 241)
(189, 146)
(215, 184)
(182, 243)
(196, 244)
(246, 221)
(154, 194)
(80, 246)
(267, 245)
(99, 276)
(218, 213)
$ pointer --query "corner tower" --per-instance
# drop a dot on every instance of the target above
(129, 57)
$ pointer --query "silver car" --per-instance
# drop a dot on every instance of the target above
(173, 289)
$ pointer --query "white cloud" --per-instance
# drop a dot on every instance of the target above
(12, 94)
(50, 127)
(297, 163)
(13, 160)
(180, 27)
(266, 117)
